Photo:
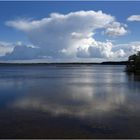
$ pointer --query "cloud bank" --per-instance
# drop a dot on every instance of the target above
(68, 36)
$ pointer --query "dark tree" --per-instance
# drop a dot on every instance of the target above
(133, 64)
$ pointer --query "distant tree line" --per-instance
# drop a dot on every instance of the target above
(133, 64)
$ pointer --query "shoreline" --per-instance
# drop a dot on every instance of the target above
(63, 63)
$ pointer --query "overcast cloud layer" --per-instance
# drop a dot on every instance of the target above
(71, 36)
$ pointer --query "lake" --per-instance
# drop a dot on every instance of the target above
(63, 101)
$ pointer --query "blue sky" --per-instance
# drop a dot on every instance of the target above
(35, 11)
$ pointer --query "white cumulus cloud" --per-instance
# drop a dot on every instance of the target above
(5, 48)
(115, 29)
(68, 35)
(134, 18)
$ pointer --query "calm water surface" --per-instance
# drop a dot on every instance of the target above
(69, 102)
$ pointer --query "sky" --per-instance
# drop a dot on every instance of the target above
(69, 31)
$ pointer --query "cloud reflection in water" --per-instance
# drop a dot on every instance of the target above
(83, 95)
